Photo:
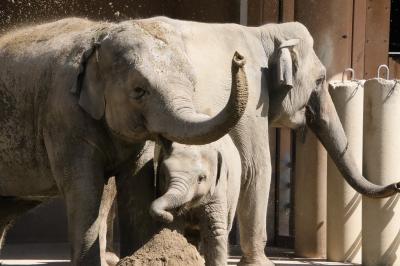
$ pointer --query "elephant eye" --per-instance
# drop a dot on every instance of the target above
(137, 93)
(320, 80)
(201, 178)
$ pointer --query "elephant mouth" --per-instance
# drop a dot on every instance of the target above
(182, 210)
(138, 133)
(191, 205)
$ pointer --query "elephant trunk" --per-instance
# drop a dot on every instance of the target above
(174, 197)
(323, 120)
(186, 126)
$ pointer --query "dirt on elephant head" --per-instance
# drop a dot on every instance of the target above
(168, 248)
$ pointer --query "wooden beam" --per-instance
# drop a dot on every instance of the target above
(358, 47)
(287, 10)
(262, 11)
(254, 12)
(377, 36)
(331, 27)
(270, 11)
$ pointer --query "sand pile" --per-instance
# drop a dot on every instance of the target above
(168, 248)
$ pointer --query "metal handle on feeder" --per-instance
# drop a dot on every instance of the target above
(347, 70)
(387, 71)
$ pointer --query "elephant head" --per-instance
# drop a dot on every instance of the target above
(300, 97)
(189, 175)
(138, 78)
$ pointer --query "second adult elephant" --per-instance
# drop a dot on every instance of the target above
(286, 89)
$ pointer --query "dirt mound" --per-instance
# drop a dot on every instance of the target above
(168, 248)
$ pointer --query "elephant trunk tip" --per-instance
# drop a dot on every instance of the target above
(238, 59)
(160, 214)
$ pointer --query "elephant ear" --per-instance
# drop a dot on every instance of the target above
(286, 62)
(221, 170)
(88, 85)
(162, 147)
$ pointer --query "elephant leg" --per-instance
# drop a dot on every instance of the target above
(106, 216)
(83, 204)
(135, 193)
(10, 209)
(78, 171)
(78, 168)
(254, 192)
(215, 234)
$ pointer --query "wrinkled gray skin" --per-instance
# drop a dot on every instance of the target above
(79, 99)
(166, 69)
(202, 182)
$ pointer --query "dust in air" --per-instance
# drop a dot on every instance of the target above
(16, 13)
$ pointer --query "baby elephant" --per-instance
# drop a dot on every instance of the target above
(201, 181)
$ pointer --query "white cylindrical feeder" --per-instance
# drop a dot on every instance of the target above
(381, 165)
(343, 202)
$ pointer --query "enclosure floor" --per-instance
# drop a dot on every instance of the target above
(58, 255)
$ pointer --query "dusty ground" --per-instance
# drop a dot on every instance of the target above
(57, 254)
(168, 248)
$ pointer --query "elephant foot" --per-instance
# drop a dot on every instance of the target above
(111, 259)
(256, 261)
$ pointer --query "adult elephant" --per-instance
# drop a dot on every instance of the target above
(286, 89)
(78, 100)
(84, 103)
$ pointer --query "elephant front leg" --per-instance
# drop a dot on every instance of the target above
(215, 234)
(252, 210)
(79, 173)
(252, 213)
(83, 198)
(254, 193)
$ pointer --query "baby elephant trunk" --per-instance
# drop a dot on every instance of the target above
(173, 198)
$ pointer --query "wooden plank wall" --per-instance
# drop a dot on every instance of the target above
(262, 11)
(357, 32)
(347, 34)
(371, 28)
(376, 36)
(359, 20)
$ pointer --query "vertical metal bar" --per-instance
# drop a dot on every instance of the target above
(293, 183)
(277, 179)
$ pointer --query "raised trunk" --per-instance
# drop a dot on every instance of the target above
(192, 128)
(324, 122)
